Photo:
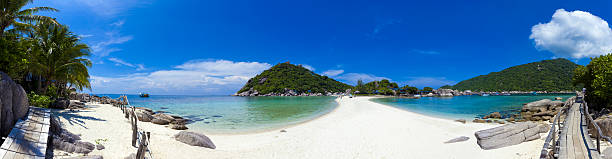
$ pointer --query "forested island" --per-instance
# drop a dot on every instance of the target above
(547, 75)
(286, 79)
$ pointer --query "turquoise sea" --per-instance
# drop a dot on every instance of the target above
(466, 107)
(229, 114)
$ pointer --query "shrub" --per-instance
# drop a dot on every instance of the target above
(597, 79)
(39, 100)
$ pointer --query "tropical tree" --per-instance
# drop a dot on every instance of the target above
(410, 89)
(11, 14)
(360, 86)
(13, 55)
(597, 79)
(60, 57)
(427, 89)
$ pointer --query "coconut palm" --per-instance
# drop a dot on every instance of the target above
(12, 15)
(60, 57)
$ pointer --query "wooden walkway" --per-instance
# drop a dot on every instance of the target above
(574, 140)
(28, 139)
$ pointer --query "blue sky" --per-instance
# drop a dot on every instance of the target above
(214, 46)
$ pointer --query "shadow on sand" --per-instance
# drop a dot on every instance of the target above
(73, 117)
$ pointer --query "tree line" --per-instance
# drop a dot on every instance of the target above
(596, 77)
(40, 53)
(386, 87)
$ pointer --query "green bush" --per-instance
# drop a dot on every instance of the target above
(36, 100)
(596, 77)
(52, 91)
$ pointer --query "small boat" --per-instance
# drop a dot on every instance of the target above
(144, 95)
(485, 94)
(507, 94)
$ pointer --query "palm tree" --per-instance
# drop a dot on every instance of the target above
(60, 57)
(12, 15)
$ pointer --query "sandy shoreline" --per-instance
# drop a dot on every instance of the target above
(357, 128)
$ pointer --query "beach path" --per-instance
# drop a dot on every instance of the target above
(573, 136)
(28, 139)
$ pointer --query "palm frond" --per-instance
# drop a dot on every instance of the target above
(34, 10)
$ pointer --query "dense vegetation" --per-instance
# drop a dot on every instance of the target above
(383, 86)
(39, 53)
(546, 75)
(596, 77)
(409, 89)
(292, 77)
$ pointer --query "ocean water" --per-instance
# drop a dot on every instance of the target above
(465, 107)
(229, 114)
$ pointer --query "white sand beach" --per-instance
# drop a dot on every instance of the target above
(357, 128)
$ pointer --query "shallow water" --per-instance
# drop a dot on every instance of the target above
(465, 107)
(228, 114)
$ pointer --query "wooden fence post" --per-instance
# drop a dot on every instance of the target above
(134, 128)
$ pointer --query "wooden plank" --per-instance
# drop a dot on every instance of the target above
(570, 130)
(576, 138)
(9, 155)
(2, 153)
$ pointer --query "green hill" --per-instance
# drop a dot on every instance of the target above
(285, 76)
(546, 75)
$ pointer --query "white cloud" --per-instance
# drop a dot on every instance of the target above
(332, 73)
(118, 23)
(380, 26)
(352, 78)
(193, 77)
(140, 67)
(85, 35)
(308, 67)
(104, 48)
(428, 52)
(119, 62)
(224, 67)
(574, 34)
(433, 82)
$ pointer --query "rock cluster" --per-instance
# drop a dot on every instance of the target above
(605, 124)
(194, 139)
(541, 110)
(13, 103)
(66, 141)
(447, 92)
(510, 134)
(60, 103)
(173, 122)
(82, 97)
(495, 117)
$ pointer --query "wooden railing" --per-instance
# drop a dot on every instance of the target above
(555, 130)
(590, 121)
